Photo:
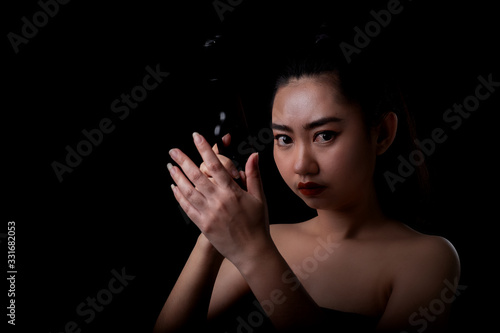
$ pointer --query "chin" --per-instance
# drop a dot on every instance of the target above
(326, 202)
(317, 202)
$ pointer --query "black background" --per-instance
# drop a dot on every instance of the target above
(115, 210)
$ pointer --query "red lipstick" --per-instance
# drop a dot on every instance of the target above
(310, 188)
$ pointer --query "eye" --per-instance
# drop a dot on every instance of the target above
(326, 136)
(283, 140)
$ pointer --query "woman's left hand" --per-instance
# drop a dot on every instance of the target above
(235, 221)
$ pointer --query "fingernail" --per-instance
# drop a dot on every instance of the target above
(257, 160)
(197, 138)
(173, 153)
(235, 173)
(171, 169)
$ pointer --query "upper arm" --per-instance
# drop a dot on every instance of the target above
(423, 288)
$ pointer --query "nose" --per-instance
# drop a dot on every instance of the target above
(304, 161)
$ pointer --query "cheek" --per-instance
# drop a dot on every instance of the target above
(278, 159)
(284, 166)
(349, 164)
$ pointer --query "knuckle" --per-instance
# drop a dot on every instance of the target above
(190, 192)
(196, 176)
(235, 190)
(214, 167)
(227, 200)
(211, 190)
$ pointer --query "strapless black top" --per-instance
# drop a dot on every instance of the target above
(248, 317)
(349, 322)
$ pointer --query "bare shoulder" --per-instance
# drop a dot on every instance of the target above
(404, 248)
(437, 253)
(424, 269)
(436, 247)
(422, 260)
(422, 250)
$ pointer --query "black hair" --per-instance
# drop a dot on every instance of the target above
(370, 82)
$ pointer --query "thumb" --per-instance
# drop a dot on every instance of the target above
(253, 180)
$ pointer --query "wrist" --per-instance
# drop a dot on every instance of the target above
(258, 256)
(207, 250)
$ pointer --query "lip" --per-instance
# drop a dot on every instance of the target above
(310, 188)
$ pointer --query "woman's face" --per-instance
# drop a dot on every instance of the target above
(322, 148)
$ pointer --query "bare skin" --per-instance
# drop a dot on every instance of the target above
(350, 257)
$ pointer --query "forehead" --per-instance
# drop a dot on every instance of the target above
(306, 99)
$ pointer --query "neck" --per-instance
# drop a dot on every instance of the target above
(352, 220)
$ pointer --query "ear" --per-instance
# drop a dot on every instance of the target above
(386, 132)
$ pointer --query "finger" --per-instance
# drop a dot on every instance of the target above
(191, 171)
(253, 179)
(226, 140)
(214, 166)
(228, 165)
(243, 178)
(186, 206)
(184, 187)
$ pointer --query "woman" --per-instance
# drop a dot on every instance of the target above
(353, 267)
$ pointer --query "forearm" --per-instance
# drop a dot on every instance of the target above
(188, 301)
(281, 295)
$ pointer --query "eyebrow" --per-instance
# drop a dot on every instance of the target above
(308, 126)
